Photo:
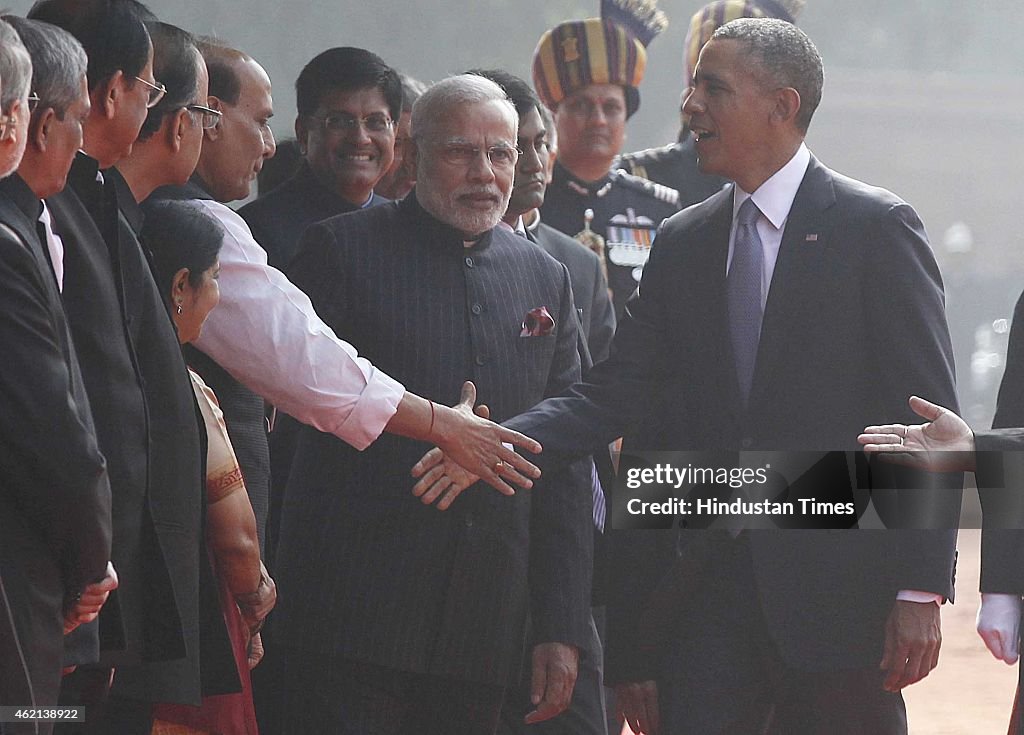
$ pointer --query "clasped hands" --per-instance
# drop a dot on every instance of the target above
(255, 606)
(86, 607)
(469, 448)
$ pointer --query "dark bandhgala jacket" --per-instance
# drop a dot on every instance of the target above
(365, 570)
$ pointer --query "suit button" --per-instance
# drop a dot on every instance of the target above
(468, 520)
(746, 442)
(477, 309)
(481, 360)
(469, 262)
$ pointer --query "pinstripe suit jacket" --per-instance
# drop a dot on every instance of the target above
(363, 568)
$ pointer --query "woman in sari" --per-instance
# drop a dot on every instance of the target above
(185, 244)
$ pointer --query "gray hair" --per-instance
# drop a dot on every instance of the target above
(785, 54)
(58, 62)
(461, 89)
(15, 68)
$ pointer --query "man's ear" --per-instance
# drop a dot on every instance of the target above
(215, 132)
(787, 105)
(40, 127)
(177, 128)
(411, 155)
(106, 97)
(301, 133)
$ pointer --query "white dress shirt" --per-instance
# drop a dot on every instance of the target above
(775, 198)
(267, 335)
(55, 246)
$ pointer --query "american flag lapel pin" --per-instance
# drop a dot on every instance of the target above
(813, 237)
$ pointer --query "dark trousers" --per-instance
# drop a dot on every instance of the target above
(724, 676)
(104, 713)
(334, 696)
(586, 712)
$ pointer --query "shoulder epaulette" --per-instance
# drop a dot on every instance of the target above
(659, 191)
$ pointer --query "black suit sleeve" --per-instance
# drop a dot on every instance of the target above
(55, 470)
(1000, 475)
(602, 317)
(561, 526)
(912, 355)
(591, 414)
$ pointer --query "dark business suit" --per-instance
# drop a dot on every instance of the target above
(1000, 473)
(15, 678)
(55, 529)
(366, 573)
(589, 286)
(855, 288)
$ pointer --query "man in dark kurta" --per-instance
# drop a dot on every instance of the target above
(401, 619)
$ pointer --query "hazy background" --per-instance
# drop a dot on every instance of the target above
(923, 97)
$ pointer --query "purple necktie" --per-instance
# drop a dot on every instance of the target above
(744, 288)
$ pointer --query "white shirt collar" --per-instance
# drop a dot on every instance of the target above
(775, 196)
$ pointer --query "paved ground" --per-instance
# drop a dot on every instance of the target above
(970, 693)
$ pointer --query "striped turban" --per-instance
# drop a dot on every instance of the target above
(708, 19)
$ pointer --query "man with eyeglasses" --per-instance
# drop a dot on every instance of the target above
(348, 101)
(55, 496)
(141, 397)
(588, 73)
(414, 620)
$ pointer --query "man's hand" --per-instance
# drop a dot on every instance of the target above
(912, 642)
(636, 704)
(999, 625)
(944, 444)
(470, 448)
(87, 607)
(255, 654)
(555, 666)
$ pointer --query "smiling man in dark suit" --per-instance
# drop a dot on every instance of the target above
(402, 619)
(763, 322)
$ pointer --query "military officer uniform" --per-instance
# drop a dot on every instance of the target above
(627, 211)
(674, 166)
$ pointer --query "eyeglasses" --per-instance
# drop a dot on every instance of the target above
(341, 122)
(208, 117)
(499, 156)
(33, 102)
(156, 92)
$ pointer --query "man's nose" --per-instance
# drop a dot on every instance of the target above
(481, 169)
(529, 160)
(269, 144)
(692, 102)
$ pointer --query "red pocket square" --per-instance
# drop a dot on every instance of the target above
(538, 323)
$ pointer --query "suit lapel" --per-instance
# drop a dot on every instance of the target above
(709, 286)
(808, 229)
